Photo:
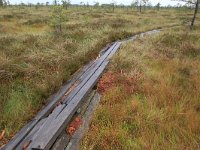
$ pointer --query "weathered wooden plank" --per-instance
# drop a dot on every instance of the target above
(42, 124)
(30, 135)
(90, 72)
(52, 116)
(114, 50)
(141, 35)
(46, 138)
(61, 142)
(20, 135)
(49, 134)
(63, 139)
(86, 117)
(56, 97)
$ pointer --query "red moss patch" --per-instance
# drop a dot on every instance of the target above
(107, 81)
(74, 125)
(111, 79)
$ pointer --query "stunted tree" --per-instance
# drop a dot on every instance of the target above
(1, 3)
(5, 3)
(135, 3)
(158, 6)
(82, 3)
(66, 3)
(57, 18)
(8, 3)
(145, 2)
(195, 12)
(139, 4)
(113, 5)
(37, 5)
(195, 4)
(47, 4)
(96, 4)
(88, 4)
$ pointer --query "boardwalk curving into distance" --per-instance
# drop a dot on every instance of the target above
(42, 132)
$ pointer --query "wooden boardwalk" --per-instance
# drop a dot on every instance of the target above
(42, 131)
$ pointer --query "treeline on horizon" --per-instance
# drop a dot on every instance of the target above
(67, 3)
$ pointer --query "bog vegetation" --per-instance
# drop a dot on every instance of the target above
(42, 46)
(150, 95)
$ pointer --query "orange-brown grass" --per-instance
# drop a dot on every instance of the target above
(164, 111)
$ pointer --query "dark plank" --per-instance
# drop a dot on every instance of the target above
(56, 97)
(20, 135)
(63, 139)
(30, 135)
(46, 138)
(61, 142)
(89, 74)
(52, 116)
(42, 124)
(86, 118)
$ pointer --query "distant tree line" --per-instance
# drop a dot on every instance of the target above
(138, 5)
(4, 3)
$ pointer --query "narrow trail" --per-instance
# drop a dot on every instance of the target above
(62, 122)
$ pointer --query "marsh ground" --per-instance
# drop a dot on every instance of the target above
(35, 61)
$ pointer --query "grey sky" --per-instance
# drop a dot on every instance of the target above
(126, 2)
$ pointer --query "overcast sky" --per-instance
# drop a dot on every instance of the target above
(126, 2)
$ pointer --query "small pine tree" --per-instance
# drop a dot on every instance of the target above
(57, 19)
